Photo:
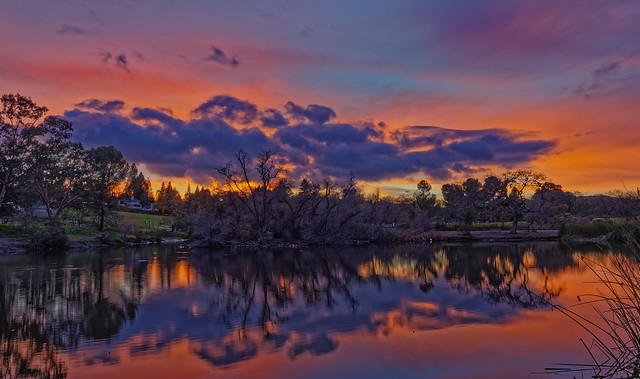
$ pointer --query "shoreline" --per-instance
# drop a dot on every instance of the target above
(425, 237)
(495, 236)
(13, 245)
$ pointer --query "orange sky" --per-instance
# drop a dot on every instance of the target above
(566, 76)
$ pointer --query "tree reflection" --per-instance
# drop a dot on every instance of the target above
(502, 273)
(259, 300)
(43, 309)
(27, 350)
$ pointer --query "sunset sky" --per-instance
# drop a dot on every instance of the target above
(393, 91)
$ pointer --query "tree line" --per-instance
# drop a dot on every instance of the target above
(252, 199)
(40, 164)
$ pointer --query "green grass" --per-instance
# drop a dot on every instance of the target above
(614, 232)
(143, 220)
(75, 231)
(522, 225)
(9, 230)
(485, 226)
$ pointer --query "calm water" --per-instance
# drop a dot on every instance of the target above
(376, 312)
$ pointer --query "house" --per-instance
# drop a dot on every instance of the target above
(132, 203)
(40, 211)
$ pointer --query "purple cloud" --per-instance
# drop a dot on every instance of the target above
(102, 106)
(273, 118)
(314, 113)
(227, 108)
(316, 148)
(221, 57)
(70, 29)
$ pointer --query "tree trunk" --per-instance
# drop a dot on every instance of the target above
(514, 225)
(2, 194)
(101, 217)
(5, 184)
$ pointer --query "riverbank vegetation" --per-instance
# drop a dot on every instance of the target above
(610, 315)
(56, 194)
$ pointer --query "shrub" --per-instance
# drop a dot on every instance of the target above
(587, 230)
(109, 239)
(50, 240)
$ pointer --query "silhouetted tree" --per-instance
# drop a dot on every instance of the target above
(168, 200)
(107, 170)
(514, 186)
(425, 200)
(252, 191)
(138, 186)
(550, 202)
(18, 134)
(464, 201)
(59, 174)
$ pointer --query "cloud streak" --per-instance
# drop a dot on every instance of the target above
(120, 60)
(70, 29)
(219, 56)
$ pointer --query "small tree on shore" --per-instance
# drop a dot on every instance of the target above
(514, 186)
(464, 201)
(107, 170)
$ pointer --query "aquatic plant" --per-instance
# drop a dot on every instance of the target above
(615, 330)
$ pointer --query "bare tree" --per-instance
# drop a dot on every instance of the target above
(253, 192)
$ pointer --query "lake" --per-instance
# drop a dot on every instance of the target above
(408, 311)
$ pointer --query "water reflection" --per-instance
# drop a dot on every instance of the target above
(107, 308)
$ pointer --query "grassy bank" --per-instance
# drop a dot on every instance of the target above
(129, 229)
(484, 226)
(610, 231)
(144, 220)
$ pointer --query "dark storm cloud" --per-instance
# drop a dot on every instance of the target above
(168, 146)
(332, 133)
(424, 136)
(148, 114)
(102, 106)
(219, 56)
(313, 112)
(228, 108)
(337, 149)
(273, 118)
(314, 147)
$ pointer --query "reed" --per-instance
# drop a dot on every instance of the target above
(615, 330)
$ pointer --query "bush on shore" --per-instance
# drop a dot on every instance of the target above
(49, 240)
(610, 231)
